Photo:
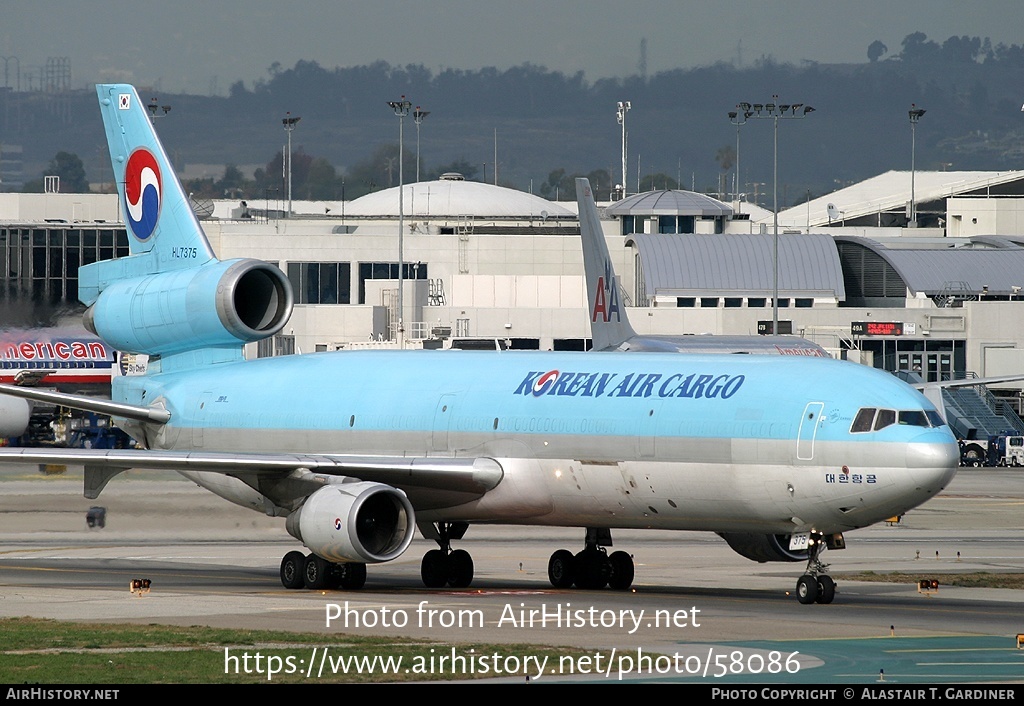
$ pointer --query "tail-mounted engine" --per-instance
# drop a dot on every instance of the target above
(360, 521)
(217, 304)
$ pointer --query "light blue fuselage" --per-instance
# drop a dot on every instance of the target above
(754, 443)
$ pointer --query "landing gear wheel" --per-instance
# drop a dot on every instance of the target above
(334, 573)
(807, 589)
(460, 569)
(314, 573)
(352, 576)
(592, 569)
(434, 569)
(292, 567)
(826, 589)
(560, 569)
(621, 575)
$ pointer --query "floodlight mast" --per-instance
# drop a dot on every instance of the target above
(738, 117)
(401, 108)
(915, 115)
(289, 121)
(418, 117)
(154, 109)
(620, 114)
(775, 111)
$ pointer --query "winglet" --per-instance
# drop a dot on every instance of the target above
(608, 323)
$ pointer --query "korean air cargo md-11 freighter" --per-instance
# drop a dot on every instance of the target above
(779, 455)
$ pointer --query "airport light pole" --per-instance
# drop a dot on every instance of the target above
(154, 110)
(915, 115)
(738, 117)
(418, 117)
(401, 108)
(289, 121)
(775, 111)
(620, 114)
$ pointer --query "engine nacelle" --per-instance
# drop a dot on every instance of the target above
(361, 521)
(220, 303)
(763, 547)
(14, 414)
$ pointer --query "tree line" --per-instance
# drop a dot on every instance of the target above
(541, 122)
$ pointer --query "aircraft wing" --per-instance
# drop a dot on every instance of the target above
(972, 382)
(474, 476)
(933, 390)
(417, 475)
(89, 404)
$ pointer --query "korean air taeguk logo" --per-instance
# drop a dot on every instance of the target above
(544, 382)
(142, 192)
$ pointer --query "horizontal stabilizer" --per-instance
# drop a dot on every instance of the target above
(89, 404)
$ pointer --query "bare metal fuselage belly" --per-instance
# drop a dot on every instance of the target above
(734, 485)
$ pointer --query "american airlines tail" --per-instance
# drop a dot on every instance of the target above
(610, 328)
(608, 323)
(171, 296)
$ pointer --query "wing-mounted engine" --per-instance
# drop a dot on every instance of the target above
(14, 416)
(220, 303)
(359, 521)
(763, 547)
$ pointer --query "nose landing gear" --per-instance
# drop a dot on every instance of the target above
(816, 586)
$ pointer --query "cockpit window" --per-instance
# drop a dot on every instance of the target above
(914, 418)
(872, 418)
(862, 422)
(885, 418)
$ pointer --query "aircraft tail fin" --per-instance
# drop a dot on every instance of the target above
(157, 212)
(171, 297)
(608, 323)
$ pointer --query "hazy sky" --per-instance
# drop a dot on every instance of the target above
(203, 45)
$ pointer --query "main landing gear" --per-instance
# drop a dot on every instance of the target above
(443, 567)
(300, 570)
(593, 568)
(815, 586)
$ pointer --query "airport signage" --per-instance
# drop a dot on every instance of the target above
(882, 328)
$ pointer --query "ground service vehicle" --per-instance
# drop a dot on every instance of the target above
(997, 450)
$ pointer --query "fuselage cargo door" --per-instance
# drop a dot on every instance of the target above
(647, 431)
(199, 420)
(442, 422)
(808, 430)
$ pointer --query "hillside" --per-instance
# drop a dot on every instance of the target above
(546, 121)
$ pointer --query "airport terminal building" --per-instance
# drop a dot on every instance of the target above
(487, 266)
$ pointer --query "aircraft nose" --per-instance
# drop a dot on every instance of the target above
(932, 459)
